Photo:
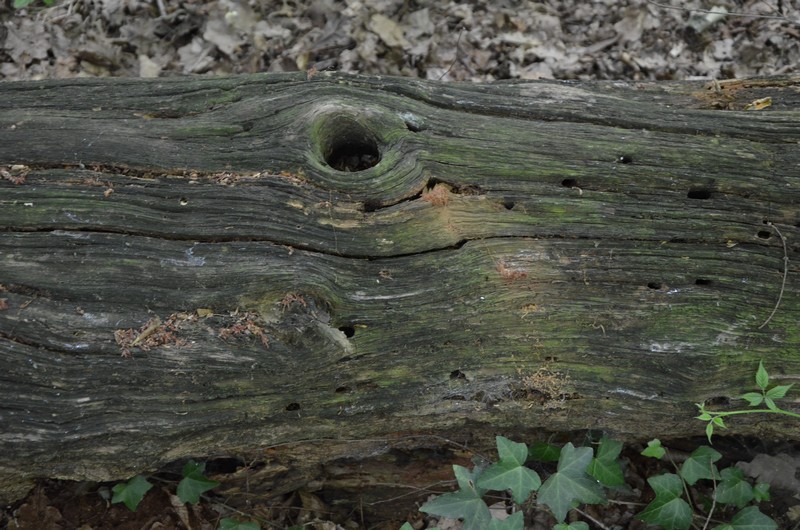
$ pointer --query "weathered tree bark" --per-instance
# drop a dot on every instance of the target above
(336, 265)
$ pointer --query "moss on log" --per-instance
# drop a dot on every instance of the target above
(195, 267)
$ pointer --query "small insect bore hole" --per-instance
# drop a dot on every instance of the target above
(699, 194)
(457, 374)
(293, 406)
(348, 331)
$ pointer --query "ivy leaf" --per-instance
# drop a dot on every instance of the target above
(132, 492)
(511, 451)
(762, 377)
(468, 479)
(761, 492)
(463, 504)
(733, 488)
(542, 452)
(700, 465)
(605, 466)
(514, 521)
(654, 449)
(578, 525)
(749, 518)
(194, 483)
(571, 483)
(511, 476)
(668, 509)
(232, 524)
(510, 473)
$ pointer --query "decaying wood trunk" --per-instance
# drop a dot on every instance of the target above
(330, 266)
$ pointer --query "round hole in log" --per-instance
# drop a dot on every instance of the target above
(293, 406)
(763, 234)
(349, 146)
(717, 401)
(348, 331)
(655, 286)
(569, 183)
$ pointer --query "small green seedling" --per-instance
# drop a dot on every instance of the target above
(765, 396)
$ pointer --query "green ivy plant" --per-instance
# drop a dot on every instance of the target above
(582, 477)
(670, 509)
(193, 484)
(765, 396)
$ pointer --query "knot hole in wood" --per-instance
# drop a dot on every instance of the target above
(348, 145)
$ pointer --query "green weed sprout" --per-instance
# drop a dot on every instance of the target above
(765, 396)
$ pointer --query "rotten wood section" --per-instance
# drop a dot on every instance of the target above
(249, 265)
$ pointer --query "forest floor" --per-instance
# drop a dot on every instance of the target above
(473, 41)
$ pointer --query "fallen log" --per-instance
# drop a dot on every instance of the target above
(304, 269)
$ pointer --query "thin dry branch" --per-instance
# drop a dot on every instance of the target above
(785, 274)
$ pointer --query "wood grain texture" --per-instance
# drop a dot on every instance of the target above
(545, 256)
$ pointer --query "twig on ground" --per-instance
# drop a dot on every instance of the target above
(731, 14)
(161, 9)
(597, 523)
(713, 498)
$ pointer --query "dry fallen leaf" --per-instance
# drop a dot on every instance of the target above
(389, 31)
